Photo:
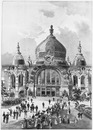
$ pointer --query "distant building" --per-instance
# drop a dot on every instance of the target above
(51, 74)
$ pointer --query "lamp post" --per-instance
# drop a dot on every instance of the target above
(26, 87)
(90, 93)
(2, 83)
(34, 87)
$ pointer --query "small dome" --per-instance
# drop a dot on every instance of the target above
(51, 46)
(18, 59)
(79, 60)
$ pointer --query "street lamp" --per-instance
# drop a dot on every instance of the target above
(34, 87)
(2, 84)
(26, 88)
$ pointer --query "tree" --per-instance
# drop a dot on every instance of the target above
(3, 90)
(30, 92)
(90, 96)
(77, 94)
(12, 94)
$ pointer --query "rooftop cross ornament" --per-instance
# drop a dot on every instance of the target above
(18, 48)
(51, 29)
(79, 48)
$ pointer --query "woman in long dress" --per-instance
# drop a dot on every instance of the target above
(55, 122)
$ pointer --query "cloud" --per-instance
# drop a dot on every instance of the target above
(49, 14)
(85, 35)
(27, 47)
(70, 40)
(74, 7)
(6, 59)
(83, 29)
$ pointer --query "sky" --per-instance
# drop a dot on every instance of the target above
(28, 23)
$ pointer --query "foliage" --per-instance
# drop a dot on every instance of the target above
(76, 94)
(83, 96)
(30, 92)
(11, 102)
(3, 89)
(12, 94)
(22, 94)
(65, 93)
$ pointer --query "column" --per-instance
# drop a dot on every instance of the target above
(16, 87)
(79, 82)
(56, 80)
(24, 82)
(45, 77)
(9, 83)
(86, 82)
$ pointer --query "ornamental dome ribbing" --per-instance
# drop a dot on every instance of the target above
(51, 46)
(79, 60)
(18, 60)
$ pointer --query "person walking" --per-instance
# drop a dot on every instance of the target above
(25, 113)
(36, 108)
(31, 100)
(10, 112)
(31, 108)
(4, 117)
(78, 116)
(81, 115)
(69, 110)
(49, 101)
(7, 117)
(14, 114)
(28, 105)
(43, 104)
(19, 111)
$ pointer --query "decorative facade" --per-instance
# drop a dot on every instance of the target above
(52, 73)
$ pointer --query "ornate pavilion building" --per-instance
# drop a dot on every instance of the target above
(51, 74)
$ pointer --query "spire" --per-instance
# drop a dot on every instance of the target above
(68, 60)
(18, 48)
(79, 47)
(51, 29)
(29, 58)
(29, 61)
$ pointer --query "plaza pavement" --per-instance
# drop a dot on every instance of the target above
(85, 123)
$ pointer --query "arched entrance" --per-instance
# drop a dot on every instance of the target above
(48, 82)
(75, 80)
(20, 78)
(13, 80)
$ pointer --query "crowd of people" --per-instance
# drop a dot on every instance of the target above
(54, 114)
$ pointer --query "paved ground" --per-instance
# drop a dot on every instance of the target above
(85, 123)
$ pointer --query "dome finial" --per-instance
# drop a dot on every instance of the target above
(29, 57)
(79, 48)
(29, 61)
(51, 29)
(18, 48)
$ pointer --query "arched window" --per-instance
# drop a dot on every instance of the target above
(21, 80)
(75, 80)
(13, 80)
(82, 79)
(49, 76)
(53, 77)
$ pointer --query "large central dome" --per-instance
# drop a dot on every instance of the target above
(51, 46)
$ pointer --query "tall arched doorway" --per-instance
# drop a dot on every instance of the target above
(82, 80)
(13, 80)
(75, 80)
(20, 80)
(48, 82)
